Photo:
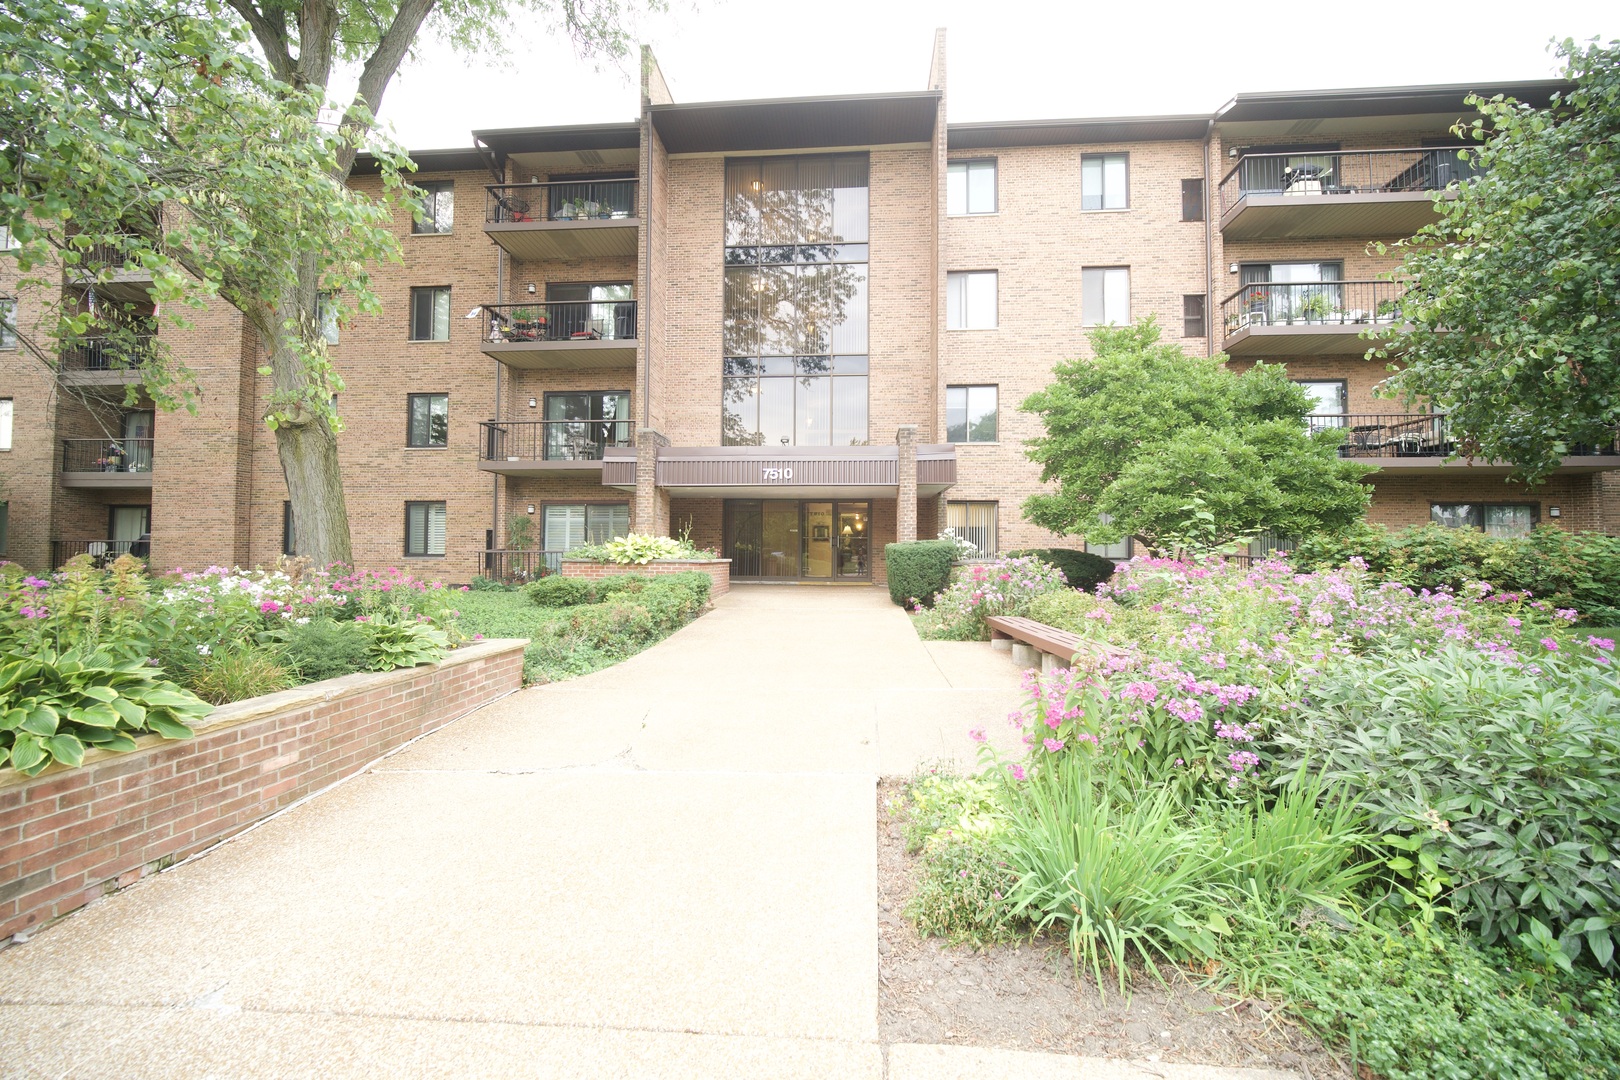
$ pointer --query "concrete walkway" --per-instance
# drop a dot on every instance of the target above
(663, 869)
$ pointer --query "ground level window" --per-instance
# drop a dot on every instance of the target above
(1495, 519)
(424, 528)
(567, 527)
(974, 522)
(1119, 551)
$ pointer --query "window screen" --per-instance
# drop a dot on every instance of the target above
(1193, 322)
(1192, 199)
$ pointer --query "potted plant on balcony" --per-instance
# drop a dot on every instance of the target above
(1387, 311)
(112, 460)
(527, 324)
(1257, 306)
(1314, 308)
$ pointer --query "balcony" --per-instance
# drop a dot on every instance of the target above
(573, 335)
(126, 284)
(107, 463)
(100, 361)
(515, 567)
(1361, 194)
(534, 447)
(1310, 318)
(567, 219)
(1422, 442)
(101, 552)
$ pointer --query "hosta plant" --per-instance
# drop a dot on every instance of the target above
(54, 706)
(640, 549)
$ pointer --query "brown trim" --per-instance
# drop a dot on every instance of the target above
(427, 445)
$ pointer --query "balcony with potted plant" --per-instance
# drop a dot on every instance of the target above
(1309, 318)
(564, 219)
(570, 335)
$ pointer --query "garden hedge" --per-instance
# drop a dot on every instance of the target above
(1081, 569)
(918, 569)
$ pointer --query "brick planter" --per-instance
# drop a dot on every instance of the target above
(719, 570)
(68, 836)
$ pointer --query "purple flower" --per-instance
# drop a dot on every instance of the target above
(1549, 644)
(1052, 745)
(977, 734)
(1017, 771)
(1606, 644)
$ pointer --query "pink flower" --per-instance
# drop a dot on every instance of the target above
(977, 734)
(1549, 644)
(1052, 745)
(466, 588)
(270, 607)
(1606, 644)
(1017, 771)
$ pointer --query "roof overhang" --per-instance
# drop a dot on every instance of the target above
(571, 138)
(457, 159)
(1447, 99)
(1116, 129)
(719, 127)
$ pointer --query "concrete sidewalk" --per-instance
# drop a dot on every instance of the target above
(663, 869)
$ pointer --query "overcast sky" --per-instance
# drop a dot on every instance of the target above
(1025, 61)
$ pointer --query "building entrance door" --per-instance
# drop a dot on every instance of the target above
(786, 540)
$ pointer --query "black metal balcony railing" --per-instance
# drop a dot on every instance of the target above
(561, 200)
(106, 354)
(561, 320)
(1344, 172)
(1383, 435)
(1312, 303)
(102, 551)
(107, 455)
(552, 440)
(516, 567)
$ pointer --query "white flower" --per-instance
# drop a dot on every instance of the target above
(202, 650)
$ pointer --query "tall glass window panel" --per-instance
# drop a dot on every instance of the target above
(437, 204)
(1328, 396)
(1510, 519)
(849, 411)
(605, 521)
(1455, 515)
(740, 326)
(970, 300)
(1106, 296)
(970, 414)
(970, 187)
(780, 217)
(812, 421)
(815, 203)
(974, 522)
(429, 420)
(851, 212)
(743, 190)
(424, 528)
(1103, 182)
(430, 314)
(776, 411)
(847, 311)
(779, 333)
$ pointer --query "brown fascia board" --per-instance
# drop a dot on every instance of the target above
(1109, 129)
(460, 159)
(625, 135)
(1381, 100)
(794, 123)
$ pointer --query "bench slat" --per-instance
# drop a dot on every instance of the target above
(1047, 639)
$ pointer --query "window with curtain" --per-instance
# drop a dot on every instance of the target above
(970, 414)
(794, 327)
(1105, 295)
(437, 204)
(428, 421)
(424, 528)
(580, 423)
(970, 187)
(974, 522)
(566, 527)
(970, 300)
(1495, 519)
(430, 314)
(1104, 182)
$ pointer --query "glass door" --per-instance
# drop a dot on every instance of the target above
(854, 540)
(138, 440)
(818, 540)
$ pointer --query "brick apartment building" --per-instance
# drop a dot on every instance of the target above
(797, 329)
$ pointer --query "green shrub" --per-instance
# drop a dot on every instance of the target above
(964, 892)
(55, 705)
(1081, 569)
(481, 583)
(324, 649)
(404, 642)
(918, 569)
(1500, 780)
(937, 802)
(558, 591)
(622, 585)
(239, 671)
(1568, 570)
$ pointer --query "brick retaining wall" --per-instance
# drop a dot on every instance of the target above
(719, 570)
(68, 836)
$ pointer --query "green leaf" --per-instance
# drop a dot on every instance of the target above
(169, 729)
(27, 755)
(66, 749)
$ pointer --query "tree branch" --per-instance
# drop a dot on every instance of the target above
(380, 68)
(272, 38)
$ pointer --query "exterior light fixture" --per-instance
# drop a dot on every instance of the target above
(531, 288)
(533, 402)
(531, 508)
(758, 186)
(1553, 511)
(534, 179)
(1232, 269)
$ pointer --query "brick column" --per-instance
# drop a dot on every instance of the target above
(906, 511)
(652, 502)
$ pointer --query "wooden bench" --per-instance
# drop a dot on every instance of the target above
(1034, 644)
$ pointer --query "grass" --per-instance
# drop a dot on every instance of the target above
(509, 615)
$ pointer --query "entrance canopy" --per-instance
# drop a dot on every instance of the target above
(784, 472)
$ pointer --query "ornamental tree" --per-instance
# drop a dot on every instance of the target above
(152, 135)
(1181, 452)
(1514, 293)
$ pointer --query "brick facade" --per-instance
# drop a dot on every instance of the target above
(216, 492)
(69, 836)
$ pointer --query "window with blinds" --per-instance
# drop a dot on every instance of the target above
(974, 522)
(1105, 296)
(567, 527)
(424, 528)
(430, 314)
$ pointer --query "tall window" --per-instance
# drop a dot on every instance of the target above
(1193, 321)
(5, 525)
(428, 420)
(430, 314)
(970, 414)
(424, 528)
(436, 206)
(794, 337)
(568, 527)
(1192, 199)
(1103, 182)
(581, 423)
(326, 317)
(1496, 519)
(1106, 295)
(970, 300)
(974, 522)
(970, 187)
(8, 323)
(5, 423)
